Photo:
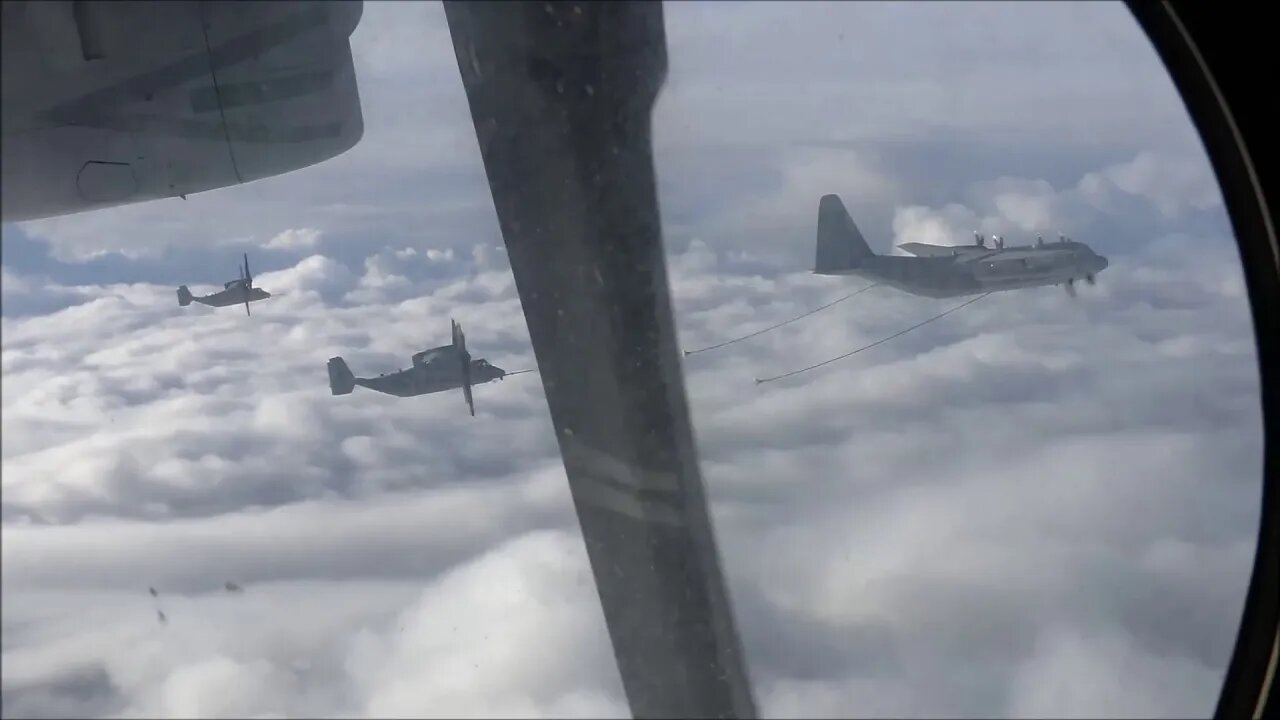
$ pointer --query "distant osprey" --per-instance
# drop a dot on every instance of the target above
(435, 370)
(233, 292)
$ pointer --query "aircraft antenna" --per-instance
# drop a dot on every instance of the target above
(748, 336)
(900, 333)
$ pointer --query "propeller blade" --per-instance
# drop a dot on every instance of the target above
(460, 344)
(1091, 279)
(248, 283)
(1071, 288)
(466, 383)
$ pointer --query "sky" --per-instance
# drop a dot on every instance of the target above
(1036, 506)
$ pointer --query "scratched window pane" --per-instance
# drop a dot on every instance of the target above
(962, 329)
(1041, 504)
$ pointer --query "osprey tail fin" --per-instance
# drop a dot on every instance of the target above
(341, 381)
(841, 246)
(184, 296)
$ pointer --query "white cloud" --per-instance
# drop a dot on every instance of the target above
(1035, 506)
(951, 225)
(11, 283)
(1044, 72)
(1170, 185)
(1104, 675)
(945, 475)
(315, 273)
(1174, 184)
(294, 239)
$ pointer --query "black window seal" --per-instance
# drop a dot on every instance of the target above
(1212, 58)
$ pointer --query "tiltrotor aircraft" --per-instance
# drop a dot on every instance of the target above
(233, 292)
(435, 370)
(940, 271)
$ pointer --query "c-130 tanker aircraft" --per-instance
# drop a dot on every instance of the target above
(941, 271)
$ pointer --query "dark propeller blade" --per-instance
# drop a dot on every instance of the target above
(248, 283)
(561, 164)
(460, 344)
(1071, 287)
(466, 382)
(1091, 279)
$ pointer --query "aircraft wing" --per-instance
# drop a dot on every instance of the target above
(115, 103)
(429, 355)
(927, 250)
(561, 96)
(1034, 253)
(423, 359)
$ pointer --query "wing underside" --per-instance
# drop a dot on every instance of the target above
(229, 92)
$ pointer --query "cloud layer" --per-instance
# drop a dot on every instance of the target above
(1036, 506)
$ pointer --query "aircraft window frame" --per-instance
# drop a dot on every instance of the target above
(1214, 85)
